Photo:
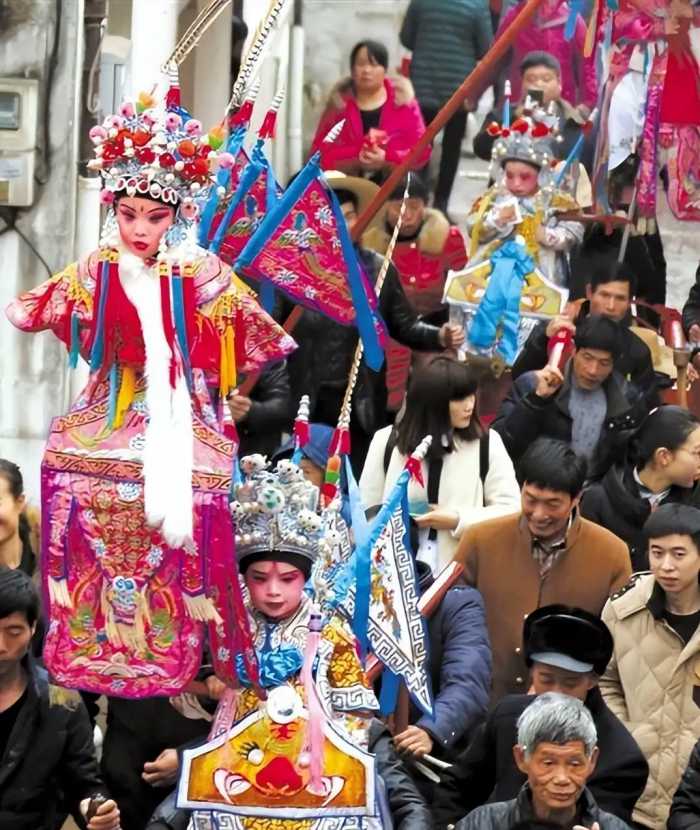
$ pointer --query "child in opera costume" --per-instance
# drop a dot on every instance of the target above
(520, 237)
(288, 748)
(135, 477)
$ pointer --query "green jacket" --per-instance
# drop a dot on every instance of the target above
(447, 38)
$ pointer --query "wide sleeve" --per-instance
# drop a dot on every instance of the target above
(501, 491)
(373, 478)
(465, 670)
(610, 683)
(50, 306)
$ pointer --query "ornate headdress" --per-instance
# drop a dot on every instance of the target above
(529, 138)
(153, 148)
(277, 510)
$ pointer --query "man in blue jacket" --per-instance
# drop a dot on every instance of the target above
(460, 669)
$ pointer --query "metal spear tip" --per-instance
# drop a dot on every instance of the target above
(334, 131)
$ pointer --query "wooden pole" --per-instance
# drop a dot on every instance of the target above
(473, 83)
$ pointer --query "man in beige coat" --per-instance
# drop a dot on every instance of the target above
(652, 682)
(545, 554)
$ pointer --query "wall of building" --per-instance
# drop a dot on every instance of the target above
(33, 367)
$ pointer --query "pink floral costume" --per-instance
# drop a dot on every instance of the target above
(128, 601)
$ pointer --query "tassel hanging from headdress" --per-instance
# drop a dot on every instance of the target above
(180, 316)
(267, 128)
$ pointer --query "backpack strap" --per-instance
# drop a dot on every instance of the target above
(484, 443)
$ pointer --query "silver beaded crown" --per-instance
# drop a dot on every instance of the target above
(278, 510)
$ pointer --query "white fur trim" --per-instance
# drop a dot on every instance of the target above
(168, 450)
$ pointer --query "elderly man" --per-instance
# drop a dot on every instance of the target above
(566, 650)
(557, 752)
(545, 554)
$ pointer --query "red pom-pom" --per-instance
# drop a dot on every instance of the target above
(540, 130)
(505, 132)
(145, 155)
(494, 129)
(520, 125)
(166, 159)
(201, 167)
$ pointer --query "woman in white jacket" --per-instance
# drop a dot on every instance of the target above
(468, 475)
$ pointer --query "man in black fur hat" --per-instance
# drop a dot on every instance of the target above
(566, 649)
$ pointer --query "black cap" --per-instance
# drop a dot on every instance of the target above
(570, 638)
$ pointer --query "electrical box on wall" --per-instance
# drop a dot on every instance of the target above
(19, 100)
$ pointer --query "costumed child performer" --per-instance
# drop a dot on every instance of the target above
(290, 743)
(135, 476)
(519, 241)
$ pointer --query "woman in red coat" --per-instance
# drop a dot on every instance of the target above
(382, 118)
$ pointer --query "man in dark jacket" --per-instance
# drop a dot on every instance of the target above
(556, 750)
(406, 805)
(460, 674)
(320, 366)
(448, 38)
(264, 415)
(609, 293)
(691, 312)
(591, 407)
(566, 649)
(46, 748)
(685, 809)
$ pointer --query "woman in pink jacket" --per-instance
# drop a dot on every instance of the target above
(579, 80)
(382, 118)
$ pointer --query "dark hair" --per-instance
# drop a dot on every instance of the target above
(417, 189)
(553, 465)
(345, 196)
(605, 271)
(18, 594)
(598, 332)
(540, 59)
(669, 519)
(13, 476)
(665, 426)
(377, 52)
(297, 560)
(430, 390)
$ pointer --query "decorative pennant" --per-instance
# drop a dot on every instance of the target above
(302, 246)
(395, 628)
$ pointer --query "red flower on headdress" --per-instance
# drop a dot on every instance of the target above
(494, 129)
(540, 130)
(520, 125)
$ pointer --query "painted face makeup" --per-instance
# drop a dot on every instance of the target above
(142, 223)
(275, 588)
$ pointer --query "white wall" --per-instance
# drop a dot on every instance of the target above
(33, 367)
